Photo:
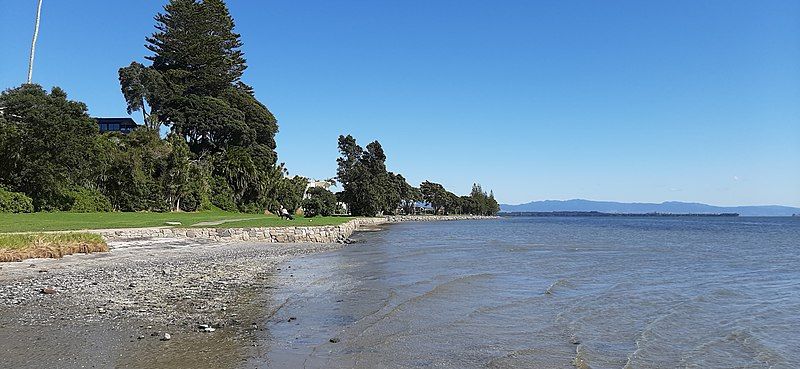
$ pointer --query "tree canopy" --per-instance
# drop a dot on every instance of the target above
(220, 150)
(370, 189)
(363, 176)
(47, 145)
(194, 83)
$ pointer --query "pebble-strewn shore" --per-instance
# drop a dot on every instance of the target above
(114, 309)
(162, 297)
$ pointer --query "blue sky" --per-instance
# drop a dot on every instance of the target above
(626, 100)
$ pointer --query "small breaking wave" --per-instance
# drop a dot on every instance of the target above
(580, 361)
(554, 285)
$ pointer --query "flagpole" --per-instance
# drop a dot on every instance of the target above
(33, 43)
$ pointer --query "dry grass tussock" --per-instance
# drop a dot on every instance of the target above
(18, 247)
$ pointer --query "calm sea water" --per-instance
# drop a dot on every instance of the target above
(547, 293)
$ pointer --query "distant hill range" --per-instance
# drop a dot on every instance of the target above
(669, 207)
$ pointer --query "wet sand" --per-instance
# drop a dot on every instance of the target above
(112, 309)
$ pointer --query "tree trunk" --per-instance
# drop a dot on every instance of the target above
(144, 115)
(33, 43)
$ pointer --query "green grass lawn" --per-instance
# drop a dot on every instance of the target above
(77, 221)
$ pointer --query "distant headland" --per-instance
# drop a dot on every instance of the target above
(599, 214)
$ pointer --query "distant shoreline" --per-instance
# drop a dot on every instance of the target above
(645, 208)
(601, 214)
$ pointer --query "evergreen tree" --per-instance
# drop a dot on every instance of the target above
(194, 86)
(494, 207)
(196, 47)
(407, 195)
(435, 195)
(367, 189)
(48, 146)
(144, 90)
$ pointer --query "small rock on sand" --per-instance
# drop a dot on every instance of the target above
(166, 337)
(49, 290)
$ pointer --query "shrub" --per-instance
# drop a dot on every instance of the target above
(15, 202)
(327, 200)
(312, 207)
(84, 200)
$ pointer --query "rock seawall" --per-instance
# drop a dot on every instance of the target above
(299, 234)
(434, 218)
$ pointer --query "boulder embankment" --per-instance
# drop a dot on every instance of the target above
(434, 218)
(296, 234)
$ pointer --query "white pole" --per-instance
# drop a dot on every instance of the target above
(33, 43)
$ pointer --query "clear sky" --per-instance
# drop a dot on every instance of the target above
(625, 100)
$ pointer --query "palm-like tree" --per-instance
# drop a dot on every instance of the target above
(33, 43)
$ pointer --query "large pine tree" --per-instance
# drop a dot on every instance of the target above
(198, 90)
(194, 87)
(198, 38)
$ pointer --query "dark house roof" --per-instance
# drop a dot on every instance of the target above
(123, 125)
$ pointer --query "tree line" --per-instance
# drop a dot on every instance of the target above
(370, 189)
(219, 152)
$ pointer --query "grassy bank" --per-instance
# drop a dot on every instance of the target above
(17, 247)
(37, 222)
(277, 222)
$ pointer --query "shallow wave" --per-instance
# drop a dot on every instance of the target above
(739, 348)
(435, 291)
(559, 283)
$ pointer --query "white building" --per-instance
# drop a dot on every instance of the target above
(325, 184)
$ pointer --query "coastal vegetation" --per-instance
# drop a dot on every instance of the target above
(370, 189)
(219, 152)
(206, 150)
(18, 247)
